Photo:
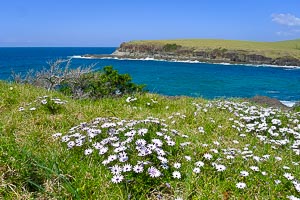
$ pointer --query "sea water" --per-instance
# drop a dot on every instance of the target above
(168, 78)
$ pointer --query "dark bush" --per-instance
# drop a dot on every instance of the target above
(171, 47)
(107, 82)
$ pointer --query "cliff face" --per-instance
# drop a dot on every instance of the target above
(177, 52)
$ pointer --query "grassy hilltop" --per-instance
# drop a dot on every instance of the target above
(269, 49)
(55, 147)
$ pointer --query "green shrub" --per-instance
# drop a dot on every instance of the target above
(52, 106)
(107, 82)
(80, 82)
(296, 107)
(171, 47)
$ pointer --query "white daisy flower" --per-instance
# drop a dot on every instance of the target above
(207, 156)
(188, 158)
(157, 142)
(176, 174)
(103, 150)
(163, 159)
(244, 173)
(277, 182)
(196, 170)
(264, 173)
(286, 167)
(57, 135)
(241, 185)
(142, 131)
(138, 168)
(220, 168)
(288, 176)
(153, 172)
(254, 168)
(117, 178)
(164, 166)
(65, 138)
(140, 142)
(127, 168)
(88, 151)
(292, 197)
(199, 164)
(112, 157)
(297, 187)
(170, 142)
(159, 134)
(116, 169)
(71, 144)
(177, 165)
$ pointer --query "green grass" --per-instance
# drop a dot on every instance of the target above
(269, 49)
(34, 165)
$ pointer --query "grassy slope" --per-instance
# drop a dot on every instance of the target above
(271, 49)
(34, 165)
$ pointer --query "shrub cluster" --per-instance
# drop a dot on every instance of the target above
(80, 82)
(171, 47)
(107, 82)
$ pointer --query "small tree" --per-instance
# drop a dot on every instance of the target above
(50, 78)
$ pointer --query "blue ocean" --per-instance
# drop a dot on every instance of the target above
(168, 78)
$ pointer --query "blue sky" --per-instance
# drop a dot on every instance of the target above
(108, 23)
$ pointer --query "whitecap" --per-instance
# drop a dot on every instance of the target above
(80, 57)
(189, 61)
(288, 103)
(272, 92)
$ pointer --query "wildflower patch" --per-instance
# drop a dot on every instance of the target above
(151, 153)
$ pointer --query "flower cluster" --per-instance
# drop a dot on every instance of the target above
(42, 102)
(150, 149)
(131, 99)
(271, 127)
(130, 148)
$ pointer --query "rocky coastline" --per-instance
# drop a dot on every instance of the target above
(173, 52)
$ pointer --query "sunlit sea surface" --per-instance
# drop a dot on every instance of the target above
(168, 78)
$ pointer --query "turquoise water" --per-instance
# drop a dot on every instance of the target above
(169, 78)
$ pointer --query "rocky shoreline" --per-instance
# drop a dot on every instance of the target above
(173, 52)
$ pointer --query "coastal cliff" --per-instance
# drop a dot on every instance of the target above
(220, 51)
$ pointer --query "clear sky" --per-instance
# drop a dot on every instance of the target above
(109, 22)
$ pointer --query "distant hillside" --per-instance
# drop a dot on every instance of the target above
(270, 49)
(233, 51)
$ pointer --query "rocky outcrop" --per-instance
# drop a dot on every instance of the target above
(267, 101)
(177, 52)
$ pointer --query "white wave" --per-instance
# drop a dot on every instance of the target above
(190, 61)
(149, 58)
(223, 63)
(272, 92)
(288, 103)
(81, 57)
(269, 65)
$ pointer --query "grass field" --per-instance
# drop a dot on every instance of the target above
(269, 49)
(55, 147)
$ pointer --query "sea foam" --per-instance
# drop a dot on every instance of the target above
(191, 61)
